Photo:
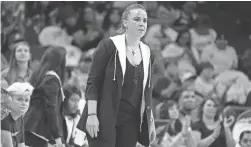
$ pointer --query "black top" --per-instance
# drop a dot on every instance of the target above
(131, 92)
(43, 115)
(205, 132)
(15, 127)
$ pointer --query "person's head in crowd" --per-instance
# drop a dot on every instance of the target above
(53, 59)
(72, 99)
(187, 100)
(245, 139)
(134, 21)
(19, 61)
(14, 37)
(89, 14)
(210, 109)
(189, 7)
(20, 93)
(207, 71)
(221, 42)
(150, 6)
(85, 61)
(171, 69)
(112, 18)
(165, 15)
(187, 80)
(170, 110)
(68, 16)
(203, 23)
(184, 39)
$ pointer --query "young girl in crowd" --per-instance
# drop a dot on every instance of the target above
(12, 126)
(19, 69)
(70, 113)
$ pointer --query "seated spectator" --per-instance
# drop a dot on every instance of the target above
(244, 64)
(232, 87)
(187, 16)
(204, 83)
(12, 126)
(81, 27)
(212, 130)
(70, 113)
(245, 139)
(111, 22)
(181, 50)
(222, 56)
(162, 31)
(79, 74)
(167, 85)
(202, 35)
(19, 69)
(188, 103)
(177, 133)
(55, 36)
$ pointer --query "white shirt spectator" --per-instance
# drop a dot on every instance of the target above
(203, 86)
(200, 42)
(154, 33)
(222, 60)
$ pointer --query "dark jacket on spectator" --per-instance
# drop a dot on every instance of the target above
(44, 112)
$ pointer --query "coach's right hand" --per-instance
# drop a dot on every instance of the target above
(92, 125)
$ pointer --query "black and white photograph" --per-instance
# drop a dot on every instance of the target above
(125, 74)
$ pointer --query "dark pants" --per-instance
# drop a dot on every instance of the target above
(32, 140)
(127, 135)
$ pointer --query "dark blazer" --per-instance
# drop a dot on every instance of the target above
(105, 82)
(43, 115)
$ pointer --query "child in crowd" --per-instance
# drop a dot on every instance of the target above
(71, 115)
(12, 126)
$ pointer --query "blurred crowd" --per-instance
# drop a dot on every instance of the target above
(189, 54)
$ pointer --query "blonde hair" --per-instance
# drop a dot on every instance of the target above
(125, 14)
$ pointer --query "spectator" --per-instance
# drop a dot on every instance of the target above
(204, 83)
(70, 113)
(209, 130)
(222, 56)
(167, 85)
(187, 17)
(245, 139)
(163, 31)
(181, 50)
(79, 75)
(12, 126)
(177, 133)
(232, 87)
(202, 35)
(42, 121)
(19, 69)
(111, 22)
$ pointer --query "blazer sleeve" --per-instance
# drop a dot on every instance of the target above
(97, 70)
(51, 88)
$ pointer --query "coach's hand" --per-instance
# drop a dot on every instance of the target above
(92, 125)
